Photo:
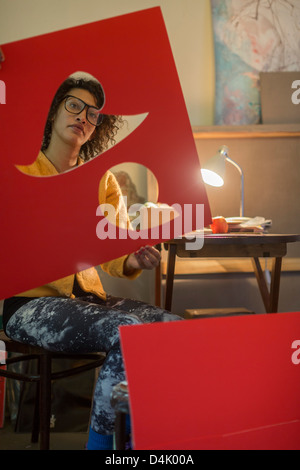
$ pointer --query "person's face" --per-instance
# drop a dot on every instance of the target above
(74, 129)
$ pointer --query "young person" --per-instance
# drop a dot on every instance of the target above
(74, 314)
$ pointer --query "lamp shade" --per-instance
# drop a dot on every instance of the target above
(214, 170)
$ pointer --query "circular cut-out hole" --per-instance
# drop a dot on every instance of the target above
(138, 208)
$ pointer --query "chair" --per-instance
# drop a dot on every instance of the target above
(43, 379)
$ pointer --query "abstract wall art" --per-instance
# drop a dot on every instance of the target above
(251, 36)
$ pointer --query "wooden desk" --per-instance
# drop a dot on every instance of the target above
(236, 245)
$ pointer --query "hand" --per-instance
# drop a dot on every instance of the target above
(146, 257)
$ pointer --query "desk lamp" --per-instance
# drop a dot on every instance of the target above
(214, 170)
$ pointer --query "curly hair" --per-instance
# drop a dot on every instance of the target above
(103, 134)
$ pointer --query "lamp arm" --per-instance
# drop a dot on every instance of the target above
(242, 182)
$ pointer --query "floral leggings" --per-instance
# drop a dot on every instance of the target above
(82, 325)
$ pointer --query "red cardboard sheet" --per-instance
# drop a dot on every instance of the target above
(49, 223)
(222, 383)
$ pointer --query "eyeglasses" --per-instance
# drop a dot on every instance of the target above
(75, 106)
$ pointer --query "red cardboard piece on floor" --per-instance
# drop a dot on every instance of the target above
(222, 383)
(49, 223)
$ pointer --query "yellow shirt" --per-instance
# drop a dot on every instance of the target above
(88, 280)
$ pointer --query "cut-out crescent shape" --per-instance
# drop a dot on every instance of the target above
(131, 123)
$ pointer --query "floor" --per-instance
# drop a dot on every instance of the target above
(10, 440)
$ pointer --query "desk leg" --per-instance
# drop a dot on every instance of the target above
(275, 284)
(170, 276)
(270, 298)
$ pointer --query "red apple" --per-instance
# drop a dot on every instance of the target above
(219, 225)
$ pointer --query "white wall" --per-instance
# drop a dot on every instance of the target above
(188, 24)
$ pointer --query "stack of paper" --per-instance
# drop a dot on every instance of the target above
(247, 224)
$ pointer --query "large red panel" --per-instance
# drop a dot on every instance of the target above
(223, 383)
(48, 225)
